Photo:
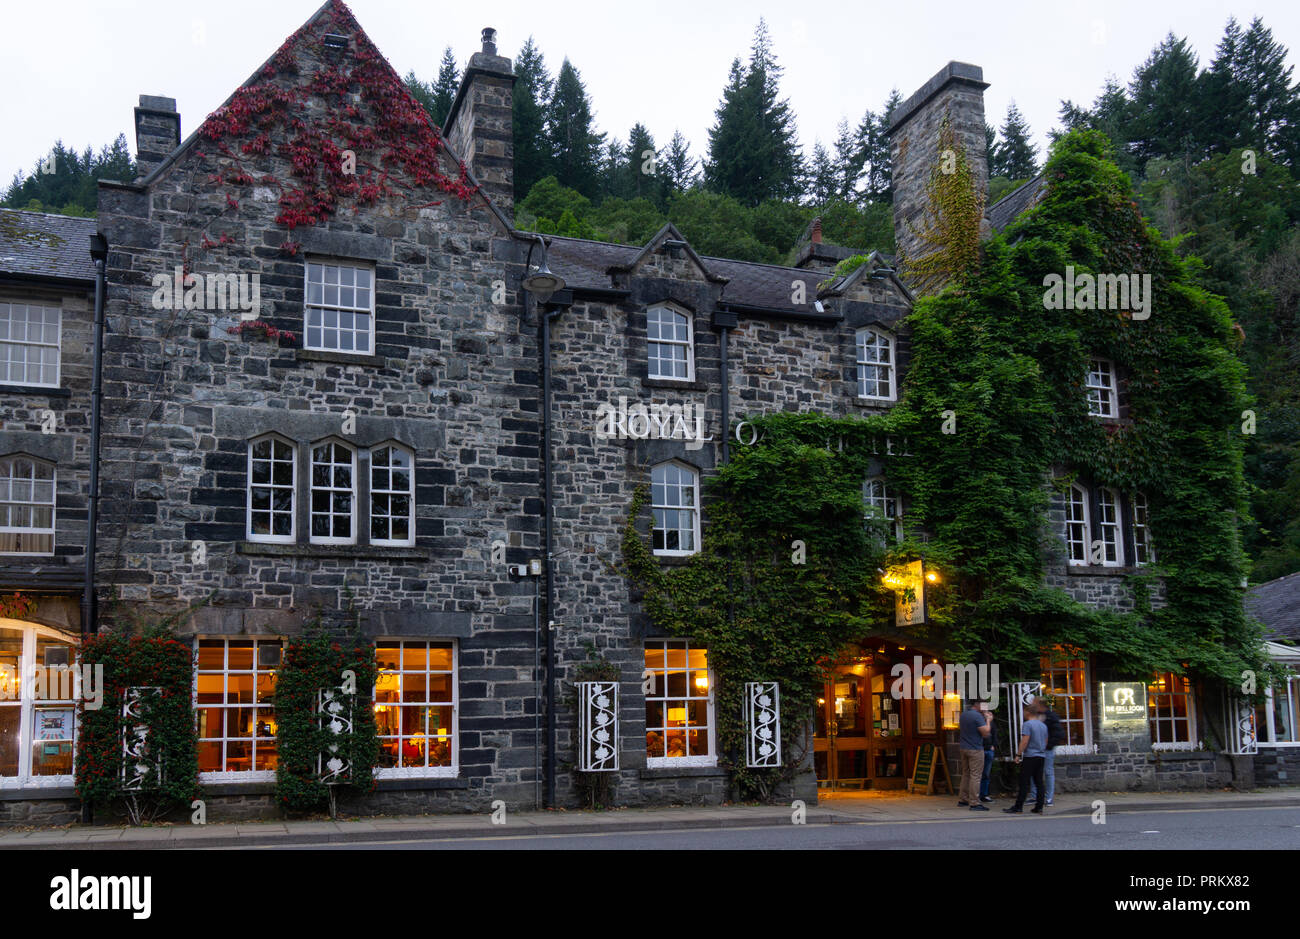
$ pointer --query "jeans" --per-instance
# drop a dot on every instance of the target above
(984, 779)
(971, 761)
(1049, 774)
(1031, 769)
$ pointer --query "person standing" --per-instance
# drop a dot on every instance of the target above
(972, 729)
(1030, 756)
(1055, 737)
(990, 751)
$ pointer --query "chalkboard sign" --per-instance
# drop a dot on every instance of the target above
(928, 766)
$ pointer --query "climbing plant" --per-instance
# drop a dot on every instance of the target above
(949, 233)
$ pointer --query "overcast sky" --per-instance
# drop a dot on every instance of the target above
(663, 64)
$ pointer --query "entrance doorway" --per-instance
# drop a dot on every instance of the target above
(863, 736)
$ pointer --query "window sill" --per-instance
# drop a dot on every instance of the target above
(681, 384)
(875, 402)
(669, 772)
(364, 551)
(1175, 756)
(35, 390)
(64, 789)
(341, 358)
(674, 560)
(1097, 570)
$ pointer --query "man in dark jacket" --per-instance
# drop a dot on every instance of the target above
(1055, 737)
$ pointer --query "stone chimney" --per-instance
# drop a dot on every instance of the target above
(958, 91)
(817, 231)
(157, 132)
(480, 125)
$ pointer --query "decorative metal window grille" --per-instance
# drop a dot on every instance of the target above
(875, 365)
(763, 723)
(334, 712)
(668, 346)
(340, 309)
(1102, 400)
(1242, 730)
(29, 344)
(598, 726)
(142, 762)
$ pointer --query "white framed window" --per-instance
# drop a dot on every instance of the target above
(670, 344)
(333, 493)
(1077, 538)
(1278, 721)
(883, 509)
(392, 496)
(1172, 709)
(27, 496)
(234, 707)
(29, 344)
(272, 469)
(416, 708)
(1065, 681)
(1110, 527)
(1143, 553)
(38, 710)
(679, 722)
(339, 313)
(674, 502)
(1103, 400)
(875, 365)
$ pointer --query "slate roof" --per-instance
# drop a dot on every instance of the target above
(766, 286)
(34, 244)
(1002, 212)
(1276, 604)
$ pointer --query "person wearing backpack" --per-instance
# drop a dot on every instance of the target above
(1055, 737)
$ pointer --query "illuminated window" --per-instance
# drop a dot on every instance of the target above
(875, 365)
(1143, 553)
(26, 506)
(884, 511)
(1102, 399)
(674, 502)
(669, 344)
(1109, 526)
(1076, 525)
(29, 344)
(392, 496)
(38, 716)
(1065, 681)
(271, 467)
(679, 707)
(416, 708)
(340, 309)
(235, 706)
(1279, 719)
(333, 499)
(1169, 699)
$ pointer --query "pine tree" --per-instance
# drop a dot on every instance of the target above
(641, 156)
(823, 180)
(1015, 156)
(678, 166)
(531, 96)
(874, 143)
(1163, 92)
(849, 161)
(753, 146)
(991, 149)
(444, 89)
(575, 147)
(421, 92)
(1248, 99)
(614, 177)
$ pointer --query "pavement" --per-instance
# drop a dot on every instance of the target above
(831, 809)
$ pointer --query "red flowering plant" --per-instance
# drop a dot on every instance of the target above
(167, 777)
(16, 606)
(315, 758)
(259, 329)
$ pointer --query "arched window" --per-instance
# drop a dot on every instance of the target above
(883, 508)
(26, 505)
(333, 493)
(392, 496)
(272, 467)
(1076, 526)
(875, 365)
(674, 501)
(1143, 552)
(669, 345)
(1110, 526)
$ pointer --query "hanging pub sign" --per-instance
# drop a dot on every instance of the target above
(908, 583)
(598, 726)
(1123, 705)
(763, 723)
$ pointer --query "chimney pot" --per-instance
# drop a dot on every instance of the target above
(489, 40)
(817, 231)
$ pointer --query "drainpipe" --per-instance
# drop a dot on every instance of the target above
(547, 316)
(99, 252)
(726, 400)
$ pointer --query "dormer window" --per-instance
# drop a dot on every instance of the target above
(1103, 401)
(339, 312)
(669, 344)
(875, 365)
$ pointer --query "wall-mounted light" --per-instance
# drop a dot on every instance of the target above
(542, 283)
